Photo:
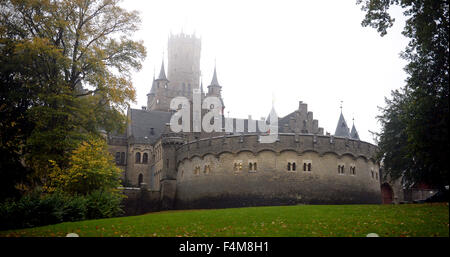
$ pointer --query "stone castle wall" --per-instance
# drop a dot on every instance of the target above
(207, 177)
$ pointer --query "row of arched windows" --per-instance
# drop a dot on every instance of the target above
(341, 169)
(144, 158)
(206, 170)
(292, 166)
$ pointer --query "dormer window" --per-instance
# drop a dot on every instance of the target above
(152, 131)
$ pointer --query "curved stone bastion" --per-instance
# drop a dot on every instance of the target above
(237, 170)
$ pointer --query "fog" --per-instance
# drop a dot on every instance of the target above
(282, 51)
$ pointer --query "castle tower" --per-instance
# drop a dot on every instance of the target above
(214, 89)
(159, 98)
(183, 64)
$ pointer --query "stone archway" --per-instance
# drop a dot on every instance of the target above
(387, 193)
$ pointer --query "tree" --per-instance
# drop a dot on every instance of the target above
(91, 168)
(414, 137)
(65, 74)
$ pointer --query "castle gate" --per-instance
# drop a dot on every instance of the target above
(387, 193)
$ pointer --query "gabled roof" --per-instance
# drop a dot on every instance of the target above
(142, 122)
(342, 129)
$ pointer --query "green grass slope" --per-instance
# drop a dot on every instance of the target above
(425, 220)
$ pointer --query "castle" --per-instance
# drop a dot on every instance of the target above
(231, 169)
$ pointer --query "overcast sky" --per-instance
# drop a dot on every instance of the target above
(311, 51)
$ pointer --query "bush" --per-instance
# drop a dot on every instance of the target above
(103, 204)
(37, 209)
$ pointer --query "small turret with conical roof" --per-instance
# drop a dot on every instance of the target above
(157, 98)
(354, 133)
(214, 89)
(151, 95)
(162, 73)
(342, 129)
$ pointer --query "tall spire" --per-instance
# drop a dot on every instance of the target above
(162, 73)
(214, 81)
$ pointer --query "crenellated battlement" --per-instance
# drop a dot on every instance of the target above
(299, 143)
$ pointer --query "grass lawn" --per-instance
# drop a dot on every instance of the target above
(427, 220)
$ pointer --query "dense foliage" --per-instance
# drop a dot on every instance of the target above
(65, 77)
(37, 209)
(90, 168)
(414, 138)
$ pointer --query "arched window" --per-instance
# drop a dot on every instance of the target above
(207, 169)
(304, 166)
(138, 158)
(309, 166)
(294, 166)
(140, 179)
(254, 166)
(118, 158)
(145, 158)
(122, 158)
(289, 166)
(197, 170)
(250, 166)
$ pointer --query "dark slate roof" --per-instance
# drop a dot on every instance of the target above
(153, 89)
(162, 73)
(354, 133)
(141, 122)
(342, 129)
(214, 81)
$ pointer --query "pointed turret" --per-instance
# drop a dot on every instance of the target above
(162, 73)
(214, 88)
(214, 81)
(153, 88)
(354, 132)
(151, 95)
(342, 129)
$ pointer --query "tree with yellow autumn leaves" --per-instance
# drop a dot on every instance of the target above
(65, 75)
(90, 168)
